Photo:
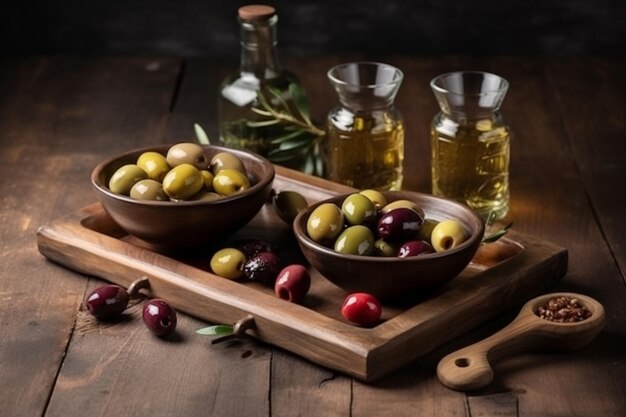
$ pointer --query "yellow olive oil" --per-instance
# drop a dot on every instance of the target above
(470, 163)
(364, 151)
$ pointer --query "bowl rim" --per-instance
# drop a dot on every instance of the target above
(303, 238)
(261, 184)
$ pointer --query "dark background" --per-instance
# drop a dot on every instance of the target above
(373, 28)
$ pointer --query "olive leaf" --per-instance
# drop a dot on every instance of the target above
(279, 97)
(262, 123)
(201, 135)
(216, 330)
(494, 236)
(300, 101)
(287, 137)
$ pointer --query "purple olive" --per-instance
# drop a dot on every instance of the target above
(292, 283)
(263, 267)
(159, 317)
(399, 224)
(414, 248)
(107, 302)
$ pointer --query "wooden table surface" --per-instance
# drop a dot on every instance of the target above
(59, 116)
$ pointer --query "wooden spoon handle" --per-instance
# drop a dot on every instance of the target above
(469, 368)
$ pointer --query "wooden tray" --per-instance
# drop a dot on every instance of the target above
(502, 275)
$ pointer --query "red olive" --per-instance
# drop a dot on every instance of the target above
(292, 283)
(361, 308)
(399, 224)
(414, 248)
(159, 317)
(107, 302)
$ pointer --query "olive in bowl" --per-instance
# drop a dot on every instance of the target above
(182, 224)
(389, 277)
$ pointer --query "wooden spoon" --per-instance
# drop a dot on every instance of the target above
(469, 369)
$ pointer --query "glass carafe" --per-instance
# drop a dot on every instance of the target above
(470, 142)
(364, 143)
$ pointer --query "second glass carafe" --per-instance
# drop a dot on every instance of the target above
(470, 142)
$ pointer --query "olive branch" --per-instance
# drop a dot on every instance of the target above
(302, 135)
(494, 235)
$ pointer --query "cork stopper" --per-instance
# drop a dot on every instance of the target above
(256, 12)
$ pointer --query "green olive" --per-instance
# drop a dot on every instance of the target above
(187, 153)
(355, 240)
(230, 181)
(125, 177)
(204, 195)
(182, 182)
(288, 204)
(207, 177)
(403, 204)
(447, 235)
(375, 197)
(154, 164)
(427, 229)
(148, 190)
(228, 263)
(386, 249)
(226, 160)
(325, 222)
(358, 209)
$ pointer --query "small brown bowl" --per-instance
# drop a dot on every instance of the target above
(389, 278)
(183, 224)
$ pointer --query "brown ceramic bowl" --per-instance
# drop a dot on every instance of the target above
(170, 224)
(395, 277)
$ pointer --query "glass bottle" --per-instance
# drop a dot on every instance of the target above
(470, 142)
(260, 70)
(364, 143)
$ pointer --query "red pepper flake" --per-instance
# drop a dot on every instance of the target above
(563, 309)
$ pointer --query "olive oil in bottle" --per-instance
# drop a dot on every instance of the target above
(365, 151)
(470, 142)
(260, 72)
(470, 163)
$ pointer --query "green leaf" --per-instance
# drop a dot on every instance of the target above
(296, 142)
(279, 97)
(261, 112)
(262, 123)
(300, 101)
(493, 237)
(216, 330)
(203, 138)
(278, 155)
(309, 165)
(288, 136)
(263, 101)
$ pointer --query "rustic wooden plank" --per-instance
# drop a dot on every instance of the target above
(122, 369)
(549, 201)
(555, 210)
(55, 123)
(591, 95)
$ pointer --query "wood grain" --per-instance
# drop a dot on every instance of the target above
(59, 116)
(55, 123)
